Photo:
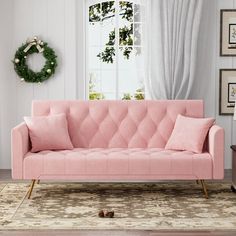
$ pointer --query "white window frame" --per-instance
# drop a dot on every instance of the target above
(116, 46)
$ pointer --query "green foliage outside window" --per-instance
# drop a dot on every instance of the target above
(127, 10)
(129, 36)
(127, 96)
(138, 95)
(93, 94)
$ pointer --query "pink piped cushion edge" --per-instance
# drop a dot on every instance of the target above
(48, 132)
(189, 133)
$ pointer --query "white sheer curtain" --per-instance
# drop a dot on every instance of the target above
(171, 34)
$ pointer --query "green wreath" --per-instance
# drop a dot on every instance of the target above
(34, 46)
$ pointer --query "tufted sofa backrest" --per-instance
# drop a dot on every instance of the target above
(120, 124)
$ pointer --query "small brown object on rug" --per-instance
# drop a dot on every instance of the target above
(109, 214)
(106, 214)
(101, 213)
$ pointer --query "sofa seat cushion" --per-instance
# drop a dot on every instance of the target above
(130, 162)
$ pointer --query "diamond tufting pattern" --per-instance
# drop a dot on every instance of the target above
(120, 124)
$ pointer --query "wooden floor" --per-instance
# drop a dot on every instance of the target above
(113, 233)
(5, 175)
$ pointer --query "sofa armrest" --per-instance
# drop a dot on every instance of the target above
(216, 149)
(20, 145)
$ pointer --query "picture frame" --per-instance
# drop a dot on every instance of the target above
(228, 32)
(227, 93)
(231, 93)
(232, 34)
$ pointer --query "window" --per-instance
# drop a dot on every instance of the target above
(115, 66)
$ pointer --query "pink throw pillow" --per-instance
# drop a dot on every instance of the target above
(189, 133)
(48, 132)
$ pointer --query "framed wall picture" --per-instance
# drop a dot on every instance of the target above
(227, 91)
(232, 34)
(228, 32)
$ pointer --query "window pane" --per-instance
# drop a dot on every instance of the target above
(126, 57)
(108, 61)
(109, 96)
(128, 91)
(139, 93)
(95, 85)
(108, 23)
(94, 32)
(108, 81)
(139, 58)
(95, 80)
(126, 35)
(94, 61)
(127, 81)
(95, 13)
(107, 55)
(131, 74)
(108, 35)
(126, 11)
(137, 13)
(108, 10)
(137, 34)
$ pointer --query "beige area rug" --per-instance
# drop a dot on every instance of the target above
(159, 206)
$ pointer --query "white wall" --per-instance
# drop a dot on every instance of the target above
(224, 62)
(60, 23)
(209, 62)
(6, 88)
(54, 21)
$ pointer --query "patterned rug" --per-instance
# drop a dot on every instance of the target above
(159, 206)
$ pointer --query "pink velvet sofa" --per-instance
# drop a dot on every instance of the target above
(118, 141)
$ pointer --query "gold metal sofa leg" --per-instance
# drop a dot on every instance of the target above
(204, 188)
(31, 188)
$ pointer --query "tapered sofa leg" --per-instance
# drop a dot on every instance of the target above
(31, 188)
(38, 181)
(204, 188)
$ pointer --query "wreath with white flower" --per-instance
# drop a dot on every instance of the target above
(31, 46)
